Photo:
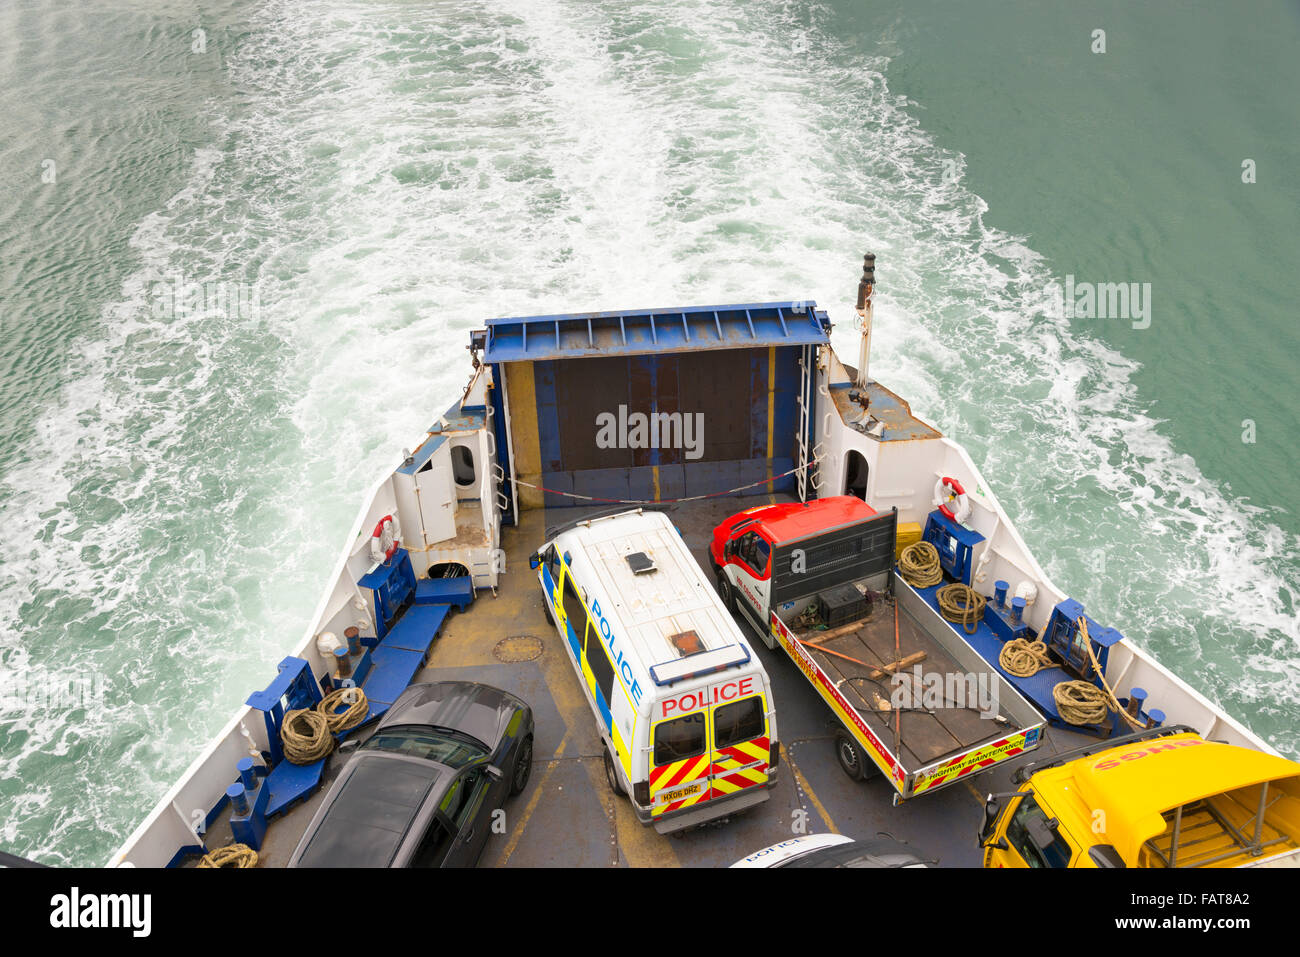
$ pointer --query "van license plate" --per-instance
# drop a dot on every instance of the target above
(680, 793)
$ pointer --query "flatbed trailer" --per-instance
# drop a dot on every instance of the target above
(920, 749)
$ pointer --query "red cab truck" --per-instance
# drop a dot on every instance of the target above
(914, 700)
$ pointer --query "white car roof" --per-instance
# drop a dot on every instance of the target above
(788, 850)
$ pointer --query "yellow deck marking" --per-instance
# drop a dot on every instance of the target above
(518, 830)
(524, 430)
(971, 788)
(771, 408)
(812, 795)
(638, 844)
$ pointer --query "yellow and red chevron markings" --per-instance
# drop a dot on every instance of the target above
(961, 766)
(739, 766)
(679, 773)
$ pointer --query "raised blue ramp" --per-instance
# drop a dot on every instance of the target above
(400, 655)
(289, 783)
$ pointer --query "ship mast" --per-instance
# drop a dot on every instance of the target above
(864, 315)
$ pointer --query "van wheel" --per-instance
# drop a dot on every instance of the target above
(853, 760)
(611, 775)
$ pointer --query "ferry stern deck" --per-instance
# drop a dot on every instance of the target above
(568, 816)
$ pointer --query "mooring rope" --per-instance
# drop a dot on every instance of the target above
(357, 709)
(961, 604)
(306, 736)
(1081, 702)
(232, 855)
(919, 565)
(1023, 658)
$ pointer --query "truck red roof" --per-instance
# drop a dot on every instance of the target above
(790, 521)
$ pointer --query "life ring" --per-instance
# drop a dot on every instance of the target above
(947, 489)
(383, 540)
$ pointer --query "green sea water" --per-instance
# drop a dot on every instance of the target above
(352, 186)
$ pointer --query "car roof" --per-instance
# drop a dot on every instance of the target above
(370, 811)
(883, 852)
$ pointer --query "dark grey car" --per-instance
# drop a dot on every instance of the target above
(420, 792)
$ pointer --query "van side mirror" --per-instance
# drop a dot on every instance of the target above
(1105, 855)
(535, 561)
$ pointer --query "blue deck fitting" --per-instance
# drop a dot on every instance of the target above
(1062, 636)
(391, 675)
(409, 615)
(954, 542)
(391, 585)
(999, 615)
(458, 591)
(293, 688)
(407, 621)
(249, 827)
(401, 654)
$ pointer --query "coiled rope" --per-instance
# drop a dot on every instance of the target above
(1081, 702)
(961, 604)
(1022, 657)
(357, 709)
(306, 736)
(232, 855)
(919, 565)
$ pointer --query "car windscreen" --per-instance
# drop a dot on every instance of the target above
(447, 747)
(370, 814)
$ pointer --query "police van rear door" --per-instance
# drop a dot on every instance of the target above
(740, 736)
(680, 756)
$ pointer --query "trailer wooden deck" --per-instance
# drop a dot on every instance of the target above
(920, 736)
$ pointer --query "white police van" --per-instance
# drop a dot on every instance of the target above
(683, 705)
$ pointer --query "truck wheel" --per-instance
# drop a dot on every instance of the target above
(611, 774)
(726, 593)
(853, 760)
